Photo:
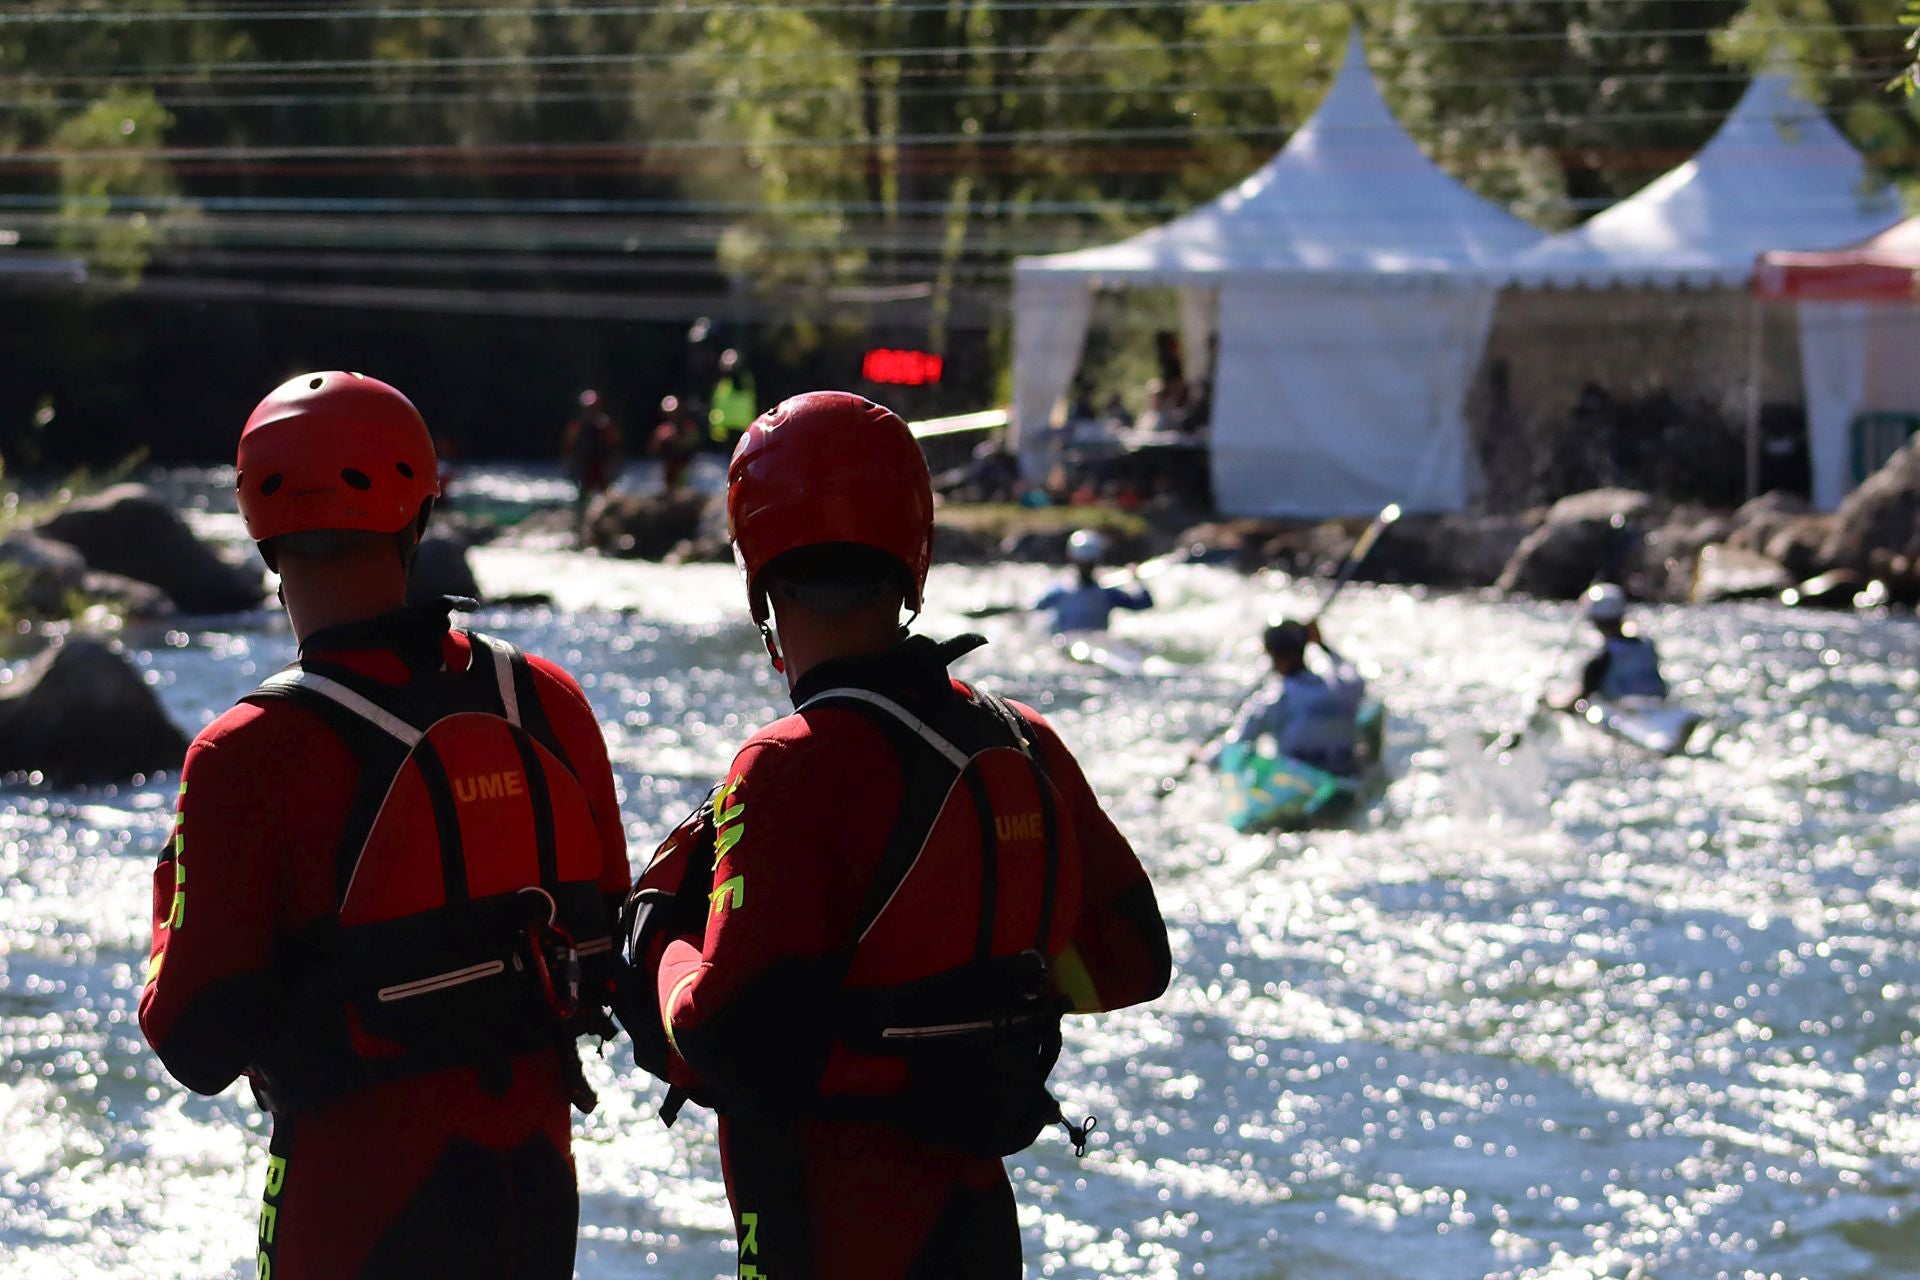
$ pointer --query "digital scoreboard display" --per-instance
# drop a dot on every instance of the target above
(901, 368)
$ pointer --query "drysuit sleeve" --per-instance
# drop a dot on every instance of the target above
(212, 1000)
(744, 1003)
(1135, 597)
(1118, 954)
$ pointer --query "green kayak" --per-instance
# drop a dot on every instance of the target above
(1267, 792)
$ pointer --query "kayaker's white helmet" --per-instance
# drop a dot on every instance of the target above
(1087, 546)
(1606, 602)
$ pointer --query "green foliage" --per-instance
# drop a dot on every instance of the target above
(1841, 50)
(108, 150)
(1910, 78)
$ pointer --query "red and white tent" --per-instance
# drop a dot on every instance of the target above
(1885, 268)
(1859, 314)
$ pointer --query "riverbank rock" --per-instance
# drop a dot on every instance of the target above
(1667, 560)
(41, 575)
(1578, 542)
(440, 568)
(128, 531)
(1727, 572)
(1879, 520)
(46, 579)
(709, 543)
(643, 526)
(1758, 519)
(1455, 550)
(1797, 544)
(80, 714)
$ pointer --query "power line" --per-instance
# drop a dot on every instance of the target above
(387, 13)
(242, 69)
(1873, 73)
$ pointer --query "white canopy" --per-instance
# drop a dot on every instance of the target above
(1329, 399)
(1776, 175)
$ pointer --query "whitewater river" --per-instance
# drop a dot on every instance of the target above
(1582, 1014)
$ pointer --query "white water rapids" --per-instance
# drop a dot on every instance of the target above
(1583, 1014)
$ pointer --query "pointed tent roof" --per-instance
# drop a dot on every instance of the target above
(1776, 175)
(1349, 195)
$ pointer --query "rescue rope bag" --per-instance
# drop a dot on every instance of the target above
(980, 1039)
(466, 888)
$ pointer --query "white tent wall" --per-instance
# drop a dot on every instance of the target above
(1049, 331)
(1333, 400)
(1859, 358)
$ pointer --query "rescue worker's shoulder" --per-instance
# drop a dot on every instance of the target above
(261, 738)
(820, 750)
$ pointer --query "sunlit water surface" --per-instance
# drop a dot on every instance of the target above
(1580, 1014)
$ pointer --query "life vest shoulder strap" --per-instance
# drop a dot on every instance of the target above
(931, 764)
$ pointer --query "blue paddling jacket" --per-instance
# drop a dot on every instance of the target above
(1625, 667)
(1309, 716)
(1087, 607)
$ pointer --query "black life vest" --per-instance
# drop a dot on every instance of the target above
(466, 887)
(978, 1040)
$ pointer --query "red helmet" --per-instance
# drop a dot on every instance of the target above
(829, 467)
(334, 450)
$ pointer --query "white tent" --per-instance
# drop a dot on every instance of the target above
(1776, 175)
(1353, 283)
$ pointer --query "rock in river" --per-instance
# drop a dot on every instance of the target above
(128, 531)
(80, 713)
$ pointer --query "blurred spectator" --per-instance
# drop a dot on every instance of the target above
(675, 442)
(735, 405)
(590, 451)
(991, 474)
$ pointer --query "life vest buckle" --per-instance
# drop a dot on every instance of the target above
(551, 954)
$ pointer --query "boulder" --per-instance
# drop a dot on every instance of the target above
(962, 544)
(1758, 519)
(42, 575)
(1667, 560)
(1727, 572)
(1882, 515)
(1579, 542)
(128, 597)
(440, 569)
(643, 526)
(1456, 550)
(128, 531)
(1798, 543)
(80, 713)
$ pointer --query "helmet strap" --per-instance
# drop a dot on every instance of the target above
(773, 647)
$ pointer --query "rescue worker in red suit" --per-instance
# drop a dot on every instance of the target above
(860, 948)
(390, 886)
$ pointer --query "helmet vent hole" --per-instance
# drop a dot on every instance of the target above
(271, 485)
(403, 469)
(315, 384)
(358, 479)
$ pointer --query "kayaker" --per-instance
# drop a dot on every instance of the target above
(859, 950)
(1085, 605)
(1627, 665)
(1309, 717)
(406, 856)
